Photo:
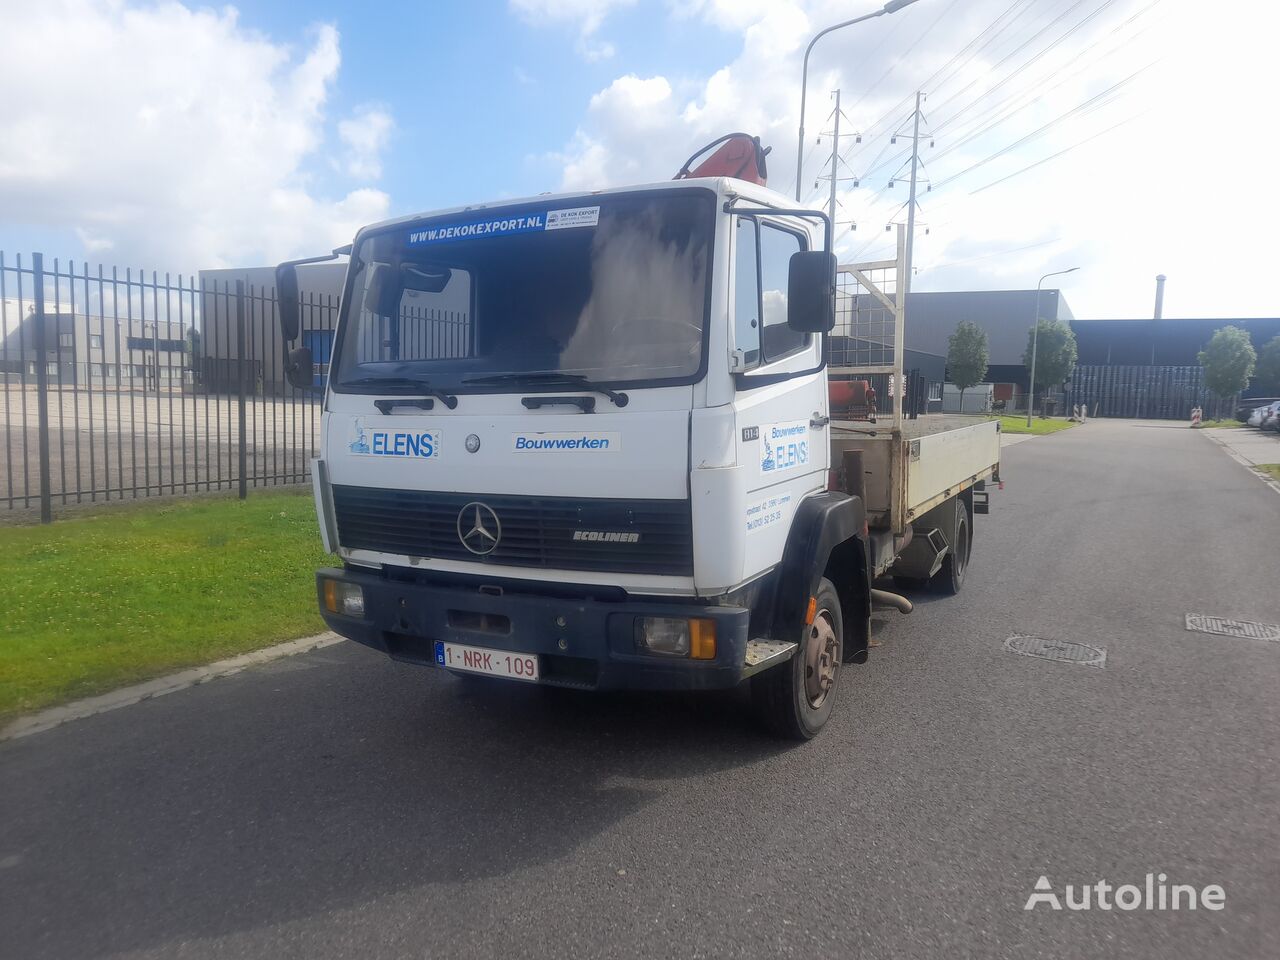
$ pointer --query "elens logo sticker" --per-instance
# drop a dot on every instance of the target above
(784, 446)
(414, 444)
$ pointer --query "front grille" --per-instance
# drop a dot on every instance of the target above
(536, 531)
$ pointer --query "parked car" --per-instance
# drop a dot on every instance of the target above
(1271, 417)
(1254, 418)
(1248, 407)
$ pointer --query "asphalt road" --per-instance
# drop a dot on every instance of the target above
(337, 804)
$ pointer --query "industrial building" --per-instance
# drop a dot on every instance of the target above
(80, 349)
(320, 286)
(1145, 368)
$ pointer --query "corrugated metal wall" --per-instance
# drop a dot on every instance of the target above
(1148, 392)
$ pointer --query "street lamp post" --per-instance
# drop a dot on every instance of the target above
(893, 6)
(1035, 336)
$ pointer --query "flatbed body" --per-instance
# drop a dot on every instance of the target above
(909, 471)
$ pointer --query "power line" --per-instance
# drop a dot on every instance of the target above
(1060, 153)
(959, 60)
(1024, 66)
(1040, 130)
(905, 54)
(869, 132)
(973, 136)
(1036, 93)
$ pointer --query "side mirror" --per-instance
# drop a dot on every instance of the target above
(811, 291)
(287, 301)
(299, 368)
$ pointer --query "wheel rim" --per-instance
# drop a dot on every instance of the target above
(962, 547)
(822, 659)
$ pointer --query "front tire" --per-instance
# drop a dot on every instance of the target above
(950, 577)
(794, 700)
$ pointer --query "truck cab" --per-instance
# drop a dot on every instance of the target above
(583, 441)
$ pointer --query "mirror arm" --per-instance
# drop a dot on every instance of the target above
(338, 252)
(785, 212)
(288, 320)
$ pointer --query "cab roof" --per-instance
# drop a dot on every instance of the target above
(723, 187)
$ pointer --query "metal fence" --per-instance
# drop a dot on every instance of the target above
(127, 384)
(1144, 391)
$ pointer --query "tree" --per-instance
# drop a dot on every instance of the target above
(192, 346)
(1055, 349)
(967, 356)
(1267, 373)
(1228, 360)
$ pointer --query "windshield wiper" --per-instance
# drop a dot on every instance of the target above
(402, 385)
(576, 379)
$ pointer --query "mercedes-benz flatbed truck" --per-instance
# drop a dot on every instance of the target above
(586, 441)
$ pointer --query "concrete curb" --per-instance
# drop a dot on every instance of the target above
(1008, 440)
(1243, 461)
(127, 696)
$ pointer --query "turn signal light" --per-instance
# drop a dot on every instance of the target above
(702, 639)
(344, 598)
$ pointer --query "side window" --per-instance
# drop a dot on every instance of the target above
(776, 247)
(746, 293)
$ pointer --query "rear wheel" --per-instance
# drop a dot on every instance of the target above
(950, 576)
(794, 700)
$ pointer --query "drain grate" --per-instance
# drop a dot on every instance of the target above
(1064, 651)
(1248, 629)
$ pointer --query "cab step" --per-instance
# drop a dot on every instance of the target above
(762, 654)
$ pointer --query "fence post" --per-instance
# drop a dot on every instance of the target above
(240, 364)
(42, 388)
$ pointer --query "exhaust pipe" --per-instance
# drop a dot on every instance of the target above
(895, 600)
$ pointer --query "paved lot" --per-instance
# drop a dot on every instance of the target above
(336, 804)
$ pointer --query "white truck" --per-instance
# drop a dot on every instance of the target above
(585, 441)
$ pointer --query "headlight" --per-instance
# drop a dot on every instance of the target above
(344, 598)
(677, 637)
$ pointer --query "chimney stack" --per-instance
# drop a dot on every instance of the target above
(1159, 296)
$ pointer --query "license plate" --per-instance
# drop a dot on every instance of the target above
(491, 663)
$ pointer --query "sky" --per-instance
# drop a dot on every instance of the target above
(1124, 137)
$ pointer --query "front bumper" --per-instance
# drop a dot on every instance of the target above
(582, 642)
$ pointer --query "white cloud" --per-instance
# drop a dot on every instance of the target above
(173, 137)
(585, 15)
(635, 127)
(93, 243)
(366, 135)
(1157, 194)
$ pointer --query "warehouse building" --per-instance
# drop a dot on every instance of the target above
(221, 366)
(1125, 368)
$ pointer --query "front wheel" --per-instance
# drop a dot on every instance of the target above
(794, 700)
(950, 576)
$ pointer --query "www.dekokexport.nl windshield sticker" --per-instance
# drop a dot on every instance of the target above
(507, 226)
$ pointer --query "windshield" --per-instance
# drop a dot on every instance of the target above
(612, 291)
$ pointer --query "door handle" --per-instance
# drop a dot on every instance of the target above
(818, 421)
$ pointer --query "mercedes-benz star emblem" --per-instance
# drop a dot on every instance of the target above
(479, 528)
